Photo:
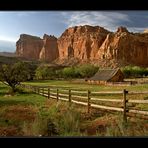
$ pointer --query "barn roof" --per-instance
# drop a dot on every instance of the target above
(104, 75)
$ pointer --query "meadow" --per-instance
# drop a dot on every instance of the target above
(29, 114)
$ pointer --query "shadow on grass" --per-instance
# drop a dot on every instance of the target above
(3, 93)
(3, 87)
(6, 100)
(11, 102)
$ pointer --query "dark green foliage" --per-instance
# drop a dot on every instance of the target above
(86, 70)
(134, 71)
(69, 72)
(81, 71)
(13, 74)
(44, 72)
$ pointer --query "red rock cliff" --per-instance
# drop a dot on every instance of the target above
(81, 42)
(29, 46)
(88, 43)
(125, 47)
(49, 51)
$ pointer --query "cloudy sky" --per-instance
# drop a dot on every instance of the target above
(14, 23)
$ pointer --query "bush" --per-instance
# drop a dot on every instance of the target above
(81, 71)
(69, 72)
(86, 70)
(44, 72)
(134, 71)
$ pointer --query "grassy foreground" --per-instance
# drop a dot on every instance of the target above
(28, 114)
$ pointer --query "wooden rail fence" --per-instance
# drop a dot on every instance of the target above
(70, 96)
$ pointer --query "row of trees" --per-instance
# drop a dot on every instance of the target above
(13, 74)
(81, 71)
(134, 71)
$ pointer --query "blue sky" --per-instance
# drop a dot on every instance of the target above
(14, 23)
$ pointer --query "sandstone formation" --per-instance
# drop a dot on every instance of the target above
(145, 31)
(86, 43)
(49, 51)
(29, 46)
(125, 47)
(81, 42)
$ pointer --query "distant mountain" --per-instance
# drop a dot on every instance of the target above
(7, 46)
(8, 54)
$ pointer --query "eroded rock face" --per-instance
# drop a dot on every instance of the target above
(29, 46)
(81, 42)
(49, 51)
(125, 47)
(145, 31)
(88, 43)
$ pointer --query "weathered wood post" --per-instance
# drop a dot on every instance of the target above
(69, 96)
(89, 104)
(48, 93)
(124, 105)
(57, 94)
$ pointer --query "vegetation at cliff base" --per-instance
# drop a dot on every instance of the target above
(134, 71)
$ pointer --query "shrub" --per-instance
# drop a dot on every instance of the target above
(134, 71)
(44, 72)
(81, 71)
(86, 70)
(69, 72)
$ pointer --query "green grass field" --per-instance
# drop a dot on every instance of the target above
(85, 86)
(29, 114)
(73, 84)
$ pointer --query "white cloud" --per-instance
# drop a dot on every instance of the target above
(107, 19)
(5, 38)
(137, 29)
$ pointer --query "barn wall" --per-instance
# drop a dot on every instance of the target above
(118, 77)
(96, 82)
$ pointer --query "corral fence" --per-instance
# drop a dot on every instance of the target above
(89, 98)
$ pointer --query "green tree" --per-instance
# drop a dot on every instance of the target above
(134, 71)
(69, 72)
(87, 70)
(13, 74)
(44, 72)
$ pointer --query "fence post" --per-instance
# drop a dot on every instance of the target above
(89, 104)
(57, 94)
(124, 105)
(70, 96)
(48, 93)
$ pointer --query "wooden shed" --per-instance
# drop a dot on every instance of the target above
(107, 75)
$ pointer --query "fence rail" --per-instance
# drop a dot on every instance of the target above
(70, 95)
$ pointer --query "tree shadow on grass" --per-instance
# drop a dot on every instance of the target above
(12, 102)
(3, 93)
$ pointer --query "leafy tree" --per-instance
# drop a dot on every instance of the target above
(69, 72)
(134, 71)
(81, 71)
(12, 75)
(87, 70)
(44, 72)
